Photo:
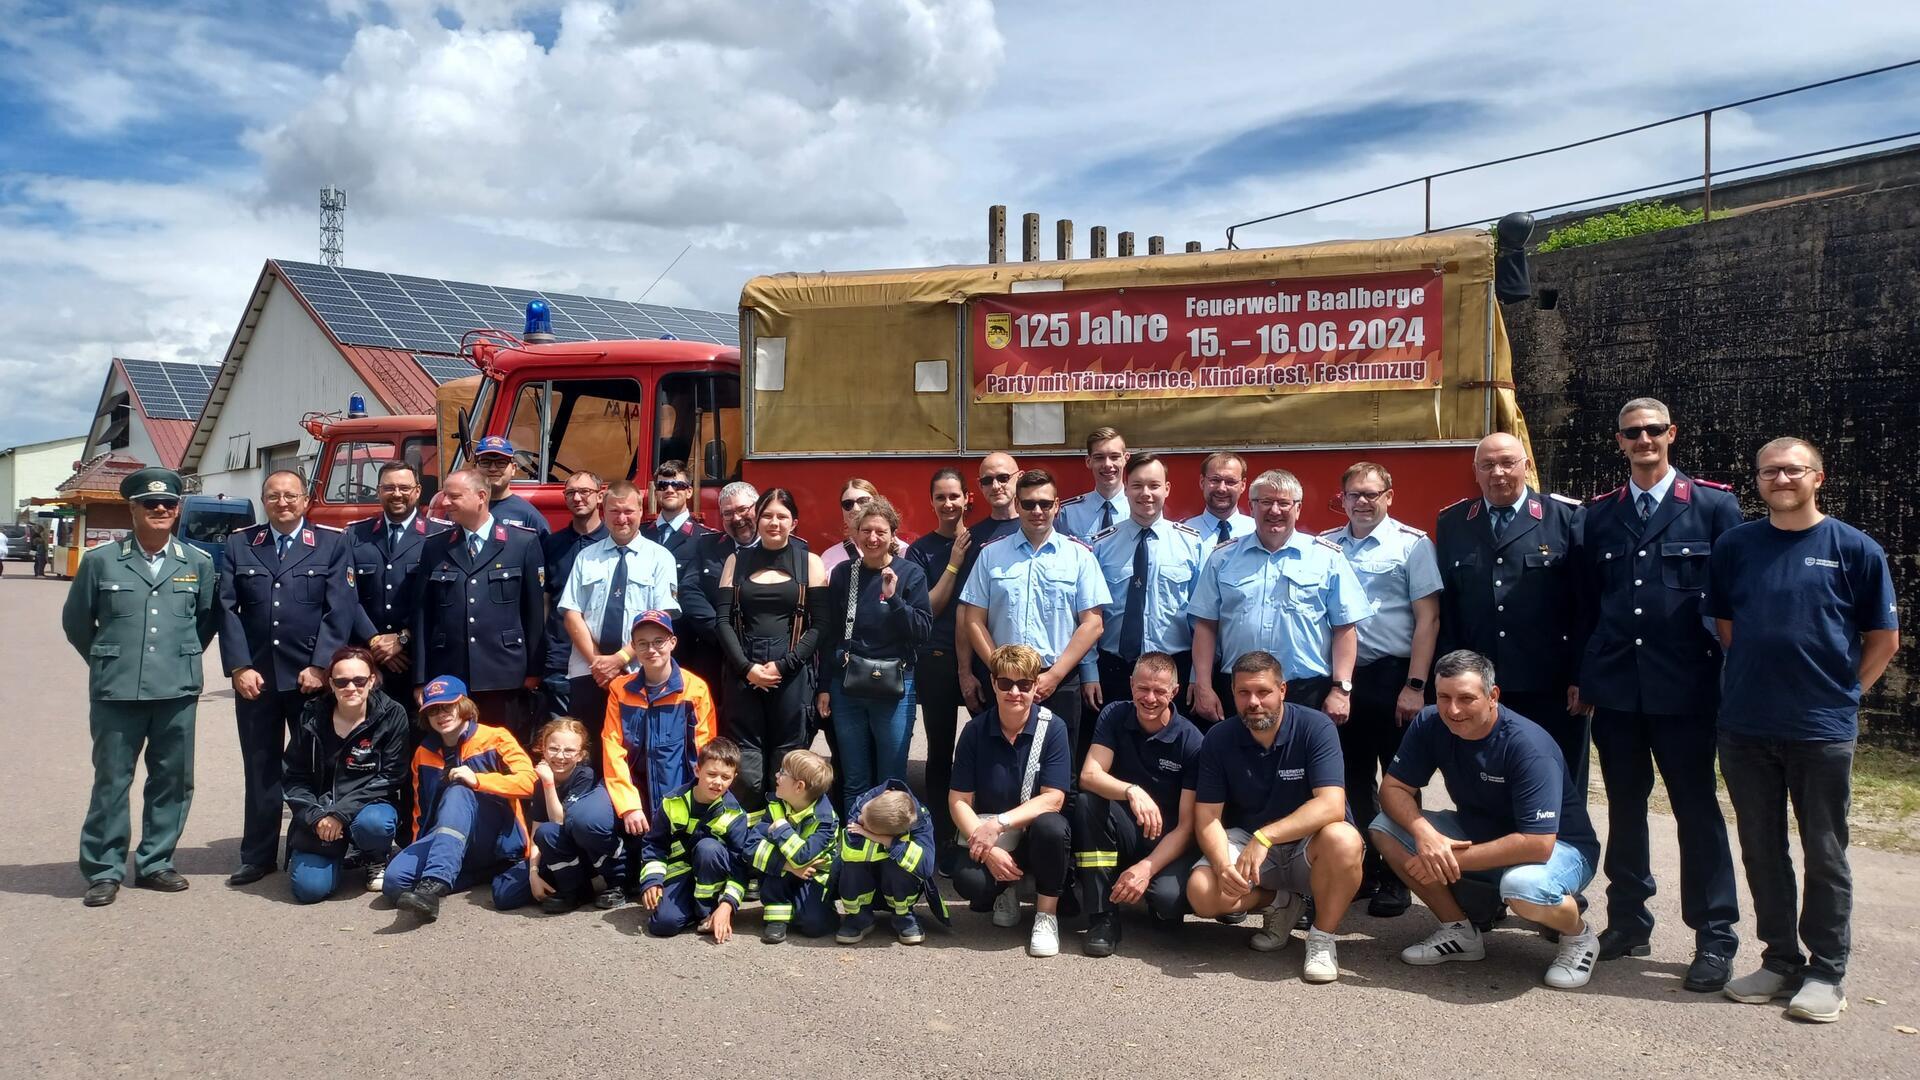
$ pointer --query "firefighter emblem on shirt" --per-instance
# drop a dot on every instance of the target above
(999, 329)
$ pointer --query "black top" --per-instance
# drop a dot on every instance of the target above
(770, 610)
(882, 629)
(325, 774)
(931, 553)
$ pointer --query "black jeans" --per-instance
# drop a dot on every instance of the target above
(1106, 841)
(1370, 738)
(1763, 775)
(1065, 704)
(1631, 744)
(766, 724)
(1043, 852)
(936, 681)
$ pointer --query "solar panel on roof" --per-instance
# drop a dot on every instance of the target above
(428, 315)
(444, 369)
(170, 390)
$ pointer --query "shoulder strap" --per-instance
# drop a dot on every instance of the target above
(853, 598)
(1033, 754)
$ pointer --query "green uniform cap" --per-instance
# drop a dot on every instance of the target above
(151, 483)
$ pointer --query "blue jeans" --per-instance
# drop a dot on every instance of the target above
(874, 734)
(315, 876)
(469, 838)
(1545, 884)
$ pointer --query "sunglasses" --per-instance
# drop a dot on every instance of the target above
(987, 479)
(672, 485)
(849, 504)
(1037, 504)
(1653, 431)
(164, 505)
(1013, 686)
(358, 682)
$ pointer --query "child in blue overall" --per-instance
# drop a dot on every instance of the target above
(886, 852)
(468, 781)
(564, 778)
(695, 850)
(792, 849)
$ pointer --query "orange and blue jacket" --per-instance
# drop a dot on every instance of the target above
(501, 769)
(649, 743)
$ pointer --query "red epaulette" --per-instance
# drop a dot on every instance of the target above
(1714, 484)
(1606, 494)
(1457, 502)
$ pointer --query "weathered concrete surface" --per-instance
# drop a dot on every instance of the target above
(224, 982)
(1797, 320)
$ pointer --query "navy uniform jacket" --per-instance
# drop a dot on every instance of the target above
(1650, 650)
(279, 616)
(1515, 601)
(481, 619)
(678, 542)
(388, 579)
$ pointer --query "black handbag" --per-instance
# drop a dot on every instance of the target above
(884, 680)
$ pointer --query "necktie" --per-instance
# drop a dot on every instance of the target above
(1645, 502)
(473, 545)
(1106, 516)
(284, 543)
(613, 629)
(1133, 624)
(1502, 517)
(1223, 533)
(393, 537)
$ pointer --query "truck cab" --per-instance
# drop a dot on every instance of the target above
(346, 479)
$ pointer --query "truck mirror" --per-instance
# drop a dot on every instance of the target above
(714, 459)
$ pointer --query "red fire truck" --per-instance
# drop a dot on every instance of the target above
(353, 447)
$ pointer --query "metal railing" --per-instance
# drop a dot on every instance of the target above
(1705, 177)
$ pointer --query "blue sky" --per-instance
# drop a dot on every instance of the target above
(155, 154)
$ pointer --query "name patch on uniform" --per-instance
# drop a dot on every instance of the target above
(188, 577)
(1169, 765)
(1488, 778)
(1831, 564)
(1292, 774)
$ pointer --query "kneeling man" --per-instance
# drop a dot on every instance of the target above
(1270, 812)
(1521, 827)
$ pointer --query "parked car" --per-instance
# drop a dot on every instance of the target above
(205, 521)
(19, 543)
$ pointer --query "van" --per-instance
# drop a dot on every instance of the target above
(205, 521)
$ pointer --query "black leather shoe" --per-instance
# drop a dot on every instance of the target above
(1390, 901)
(1102, 935)
(249, 873)
(1708, 972)
(556, 904)
(101, 893)
(424, 899)
(774, 933)
(1615, 944)
(162, 881)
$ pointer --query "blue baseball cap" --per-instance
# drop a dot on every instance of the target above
(655, 616)
(442, 691)
(493, 444)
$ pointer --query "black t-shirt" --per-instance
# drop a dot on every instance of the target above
(1160, 763)
(931, 552)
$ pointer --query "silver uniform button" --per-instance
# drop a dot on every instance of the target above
(1643, 554)
(1637, 641)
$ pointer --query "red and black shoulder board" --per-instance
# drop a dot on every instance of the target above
(1608, 494)
(1714, 484)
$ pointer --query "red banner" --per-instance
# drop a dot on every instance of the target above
(1292, 336)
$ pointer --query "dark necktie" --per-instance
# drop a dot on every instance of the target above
(1106, 516)
(1133, 623)
(474, 543)
(613, 628)
(285, 541)
(1223, 533)
(1502, 517)
(393, 537)
(1645, 502)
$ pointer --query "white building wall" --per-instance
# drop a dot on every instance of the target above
(34, 471)
(139, 444)
(290, 368)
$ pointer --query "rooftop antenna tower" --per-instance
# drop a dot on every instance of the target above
(333, 225)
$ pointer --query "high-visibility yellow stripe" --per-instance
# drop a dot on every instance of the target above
(854, 905)
(910, 859)
(762, 855)
(901, 904)
(652, 869)
(778, 913)
(1096, 860)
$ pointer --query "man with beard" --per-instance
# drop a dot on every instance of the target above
(699, 636)
(386, 564)
(1223, 476)
(584, 493)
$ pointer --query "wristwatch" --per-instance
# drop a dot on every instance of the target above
(1345, 686)
(1417, 684)
(1000, 820)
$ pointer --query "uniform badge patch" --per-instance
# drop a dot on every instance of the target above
(500, 533)
(1533, 508)
(259, 538)
(999, 329)
(306, 537)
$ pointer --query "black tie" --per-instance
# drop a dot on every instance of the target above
(1502, 517)
(393, 537)
(285, 542)
(1224, 533)
(1133, 624)
(1645, 503)
(1106, 516)
(613, 628)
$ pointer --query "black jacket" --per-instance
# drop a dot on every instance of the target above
(367, 767)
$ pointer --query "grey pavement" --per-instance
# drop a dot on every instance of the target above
(223, 982)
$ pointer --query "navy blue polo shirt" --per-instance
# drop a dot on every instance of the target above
(578, 785)
(1514, 780)
(992, 768)
(1260, 785)
(1162, 763)
(1799, 602)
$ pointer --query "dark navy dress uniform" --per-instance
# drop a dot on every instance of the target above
(1652, 672)
(1515, 599)
(481, 617)
(386, 571)
(280, 613)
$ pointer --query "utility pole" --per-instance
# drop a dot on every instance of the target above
(333, 224)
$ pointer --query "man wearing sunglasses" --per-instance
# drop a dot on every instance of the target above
(674, 527)
(1044, 590)
(1651, 672)
(998, 474)
(494, 458)
(140, 612)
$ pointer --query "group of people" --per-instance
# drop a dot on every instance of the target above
(39, 544)
(1224, 716)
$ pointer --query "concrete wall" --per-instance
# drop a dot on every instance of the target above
(290, 369)
(34, 471)
(1799, 320)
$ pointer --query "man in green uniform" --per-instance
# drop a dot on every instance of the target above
(140, 612)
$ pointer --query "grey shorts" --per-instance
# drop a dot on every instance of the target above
(1286, 868)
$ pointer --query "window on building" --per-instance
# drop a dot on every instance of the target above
(284, 457)
(565, 426)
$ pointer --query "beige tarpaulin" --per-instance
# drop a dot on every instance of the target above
(850, 353)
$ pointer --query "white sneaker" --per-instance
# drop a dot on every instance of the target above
(1046, 935)
(1277, 921)
(1573, 966)
(376, 877)
(1323, 958)
(1006, 908)
(1453, 941)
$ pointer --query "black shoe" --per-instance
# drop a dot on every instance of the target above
(1391, 901)
(250, 873)
(609, 898)
(1234, 919)
(774, 933)
(555, 904)
(424, 899)
(101, 893)
(1708, 972)
(1615, 944)
(1305, 921)
(1369, 887)
(1103, 933)
(161, 881)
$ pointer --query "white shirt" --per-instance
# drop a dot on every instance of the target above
(653, 581)
(1658, 491)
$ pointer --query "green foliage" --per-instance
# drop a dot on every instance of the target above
(1632, 219)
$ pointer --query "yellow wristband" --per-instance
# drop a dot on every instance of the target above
(952, 569)
(1261, 838)
(624, 656)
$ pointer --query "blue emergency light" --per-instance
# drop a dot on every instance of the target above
(356, 405)
(539, 319)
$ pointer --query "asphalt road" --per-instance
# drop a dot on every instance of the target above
(225, 982)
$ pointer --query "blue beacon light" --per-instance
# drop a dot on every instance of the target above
(539, 318)
(356, 405)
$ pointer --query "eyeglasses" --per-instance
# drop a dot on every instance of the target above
(358, 682)
(581, 493)
(1037, 504)
(283, 497)
(165, 506)
(1365, 496)
(1282, 505)
(1502, 465)
(398, 489)
(850, 504)
(1791, 472)
(672, 485)
(493, 462)
(990, 479)
(1013, 686)
(652, 644)
(562, 751)
(1653, 431)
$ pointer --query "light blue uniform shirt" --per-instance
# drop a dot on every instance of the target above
(1658, 491)
(1396, 565)
(1286, 602)
(1174, 558)
(1080, 515)
(1208, 526)
(653, 581)
(1033, 596)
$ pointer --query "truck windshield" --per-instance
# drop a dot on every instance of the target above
(353, 472)
(564, 426)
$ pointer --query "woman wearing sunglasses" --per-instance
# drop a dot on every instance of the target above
(344, 767)
(855, 496)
